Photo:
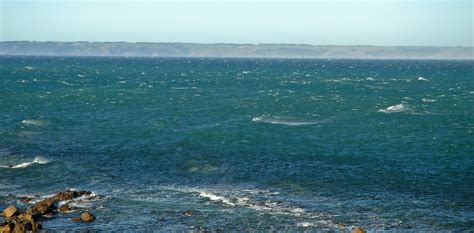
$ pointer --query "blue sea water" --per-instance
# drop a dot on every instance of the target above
(246, 144)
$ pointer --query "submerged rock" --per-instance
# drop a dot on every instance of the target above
(85, 217)
(358, 230)
(10, 211)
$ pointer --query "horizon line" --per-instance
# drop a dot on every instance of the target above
(232, 43)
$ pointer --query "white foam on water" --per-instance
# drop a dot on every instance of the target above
(33, 122)
(395, 108)
(36, 160)
(214, 197)
(283, 121)
(422, 79)
(428, 100)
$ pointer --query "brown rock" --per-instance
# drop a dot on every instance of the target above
(27, 217)
(10, 211)
(7, 227)
(87, 217)
(64, 208)
(188, 213)
(78, 219)
(358, 230)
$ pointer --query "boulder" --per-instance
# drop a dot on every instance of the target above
(188, 213)
(87, 217)
(10, 211)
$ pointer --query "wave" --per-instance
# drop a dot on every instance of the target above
(395, 108)
(282, 121)
(422, 79)
(36, 160)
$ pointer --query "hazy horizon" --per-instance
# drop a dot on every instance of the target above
(376, 23)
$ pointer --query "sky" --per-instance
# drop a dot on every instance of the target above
(317, 22)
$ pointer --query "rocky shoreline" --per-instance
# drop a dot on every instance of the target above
(30, 219)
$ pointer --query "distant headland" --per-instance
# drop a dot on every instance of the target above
(144, 49)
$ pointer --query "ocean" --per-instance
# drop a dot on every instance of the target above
(245, 144)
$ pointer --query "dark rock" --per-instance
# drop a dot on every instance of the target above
(10, 211)
(188, 213)
(26, 200)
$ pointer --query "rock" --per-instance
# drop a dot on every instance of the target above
(188, 213)
(87, 217)
(358, 230)
(69, 195)
(26, 200)
(10, 211)
(7, 227)
(28, 217)
(64, 208)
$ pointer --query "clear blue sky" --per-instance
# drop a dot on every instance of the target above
(320, 22)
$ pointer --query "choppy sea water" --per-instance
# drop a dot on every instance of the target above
(246, 144)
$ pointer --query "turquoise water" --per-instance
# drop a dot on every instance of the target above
(246, 144)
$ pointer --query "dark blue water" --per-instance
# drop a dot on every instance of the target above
(246, 144)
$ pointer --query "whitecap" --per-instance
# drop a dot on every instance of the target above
(395, 108)
(214, 197)
(33, 122)
(36, 160)
(422, 79)
(428, 100)
(282, 121)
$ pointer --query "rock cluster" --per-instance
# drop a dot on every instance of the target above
(28, 220)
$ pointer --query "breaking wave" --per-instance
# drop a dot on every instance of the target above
(36, 160)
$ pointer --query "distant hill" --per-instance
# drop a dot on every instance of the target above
(31, 48)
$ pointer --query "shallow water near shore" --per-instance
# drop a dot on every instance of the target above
(246, 144)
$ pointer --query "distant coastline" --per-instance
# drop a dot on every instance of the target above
(147, 49)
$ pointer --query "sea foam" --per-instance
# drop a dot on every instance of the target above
(395, 108)
(282, 121)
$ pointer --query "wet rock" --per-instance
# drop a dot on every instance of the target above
(69, 195)
(10, 211)
(358, 230)
(188, 213)
(85, 217)
(64, 208)
(26, 200)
